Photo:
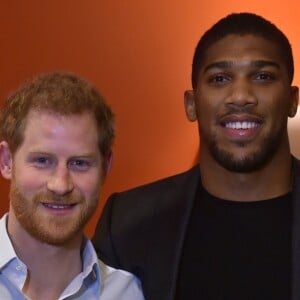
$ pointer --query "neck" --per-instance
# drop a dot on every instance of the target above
(272, 180)
(50, 268)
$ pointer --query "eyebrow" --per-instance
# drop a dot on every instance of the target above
(228, 64)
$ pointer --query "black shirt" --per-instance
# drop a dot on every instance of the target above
(237, 250)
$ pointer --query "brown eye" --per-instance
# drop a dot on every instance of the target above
(264, 76)
(219, 79)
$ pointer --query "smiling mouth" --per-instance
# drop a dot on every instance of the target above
(58, 206)
(241, 125)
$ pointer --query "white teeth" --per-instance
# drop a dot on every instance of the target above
(241, 125)
(54, 206)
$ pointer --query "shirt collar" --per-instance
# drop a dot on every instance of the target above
(7, 251)
(90, 275)
(90, 268)
(90, 261)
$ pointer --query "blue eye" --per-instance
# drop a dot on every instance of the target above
(80, 164)
(42, 162)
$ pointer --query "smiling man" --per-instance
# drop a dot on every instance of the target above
(229, 228)
(57, 133)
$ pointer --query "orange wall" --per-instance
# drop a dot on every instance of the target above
(138, 53)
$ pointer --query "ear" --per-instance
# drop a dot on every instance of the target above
(190, 106)
(5, 160)
(294, 100)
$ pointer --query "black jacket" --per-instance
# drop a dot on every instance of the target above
(142, 230)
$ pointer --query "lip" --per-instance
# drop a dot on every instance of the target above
(59, 209)
(241, 127)
(240, 118)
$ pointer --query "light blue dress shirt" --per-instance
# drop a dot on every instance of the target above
(97, 281)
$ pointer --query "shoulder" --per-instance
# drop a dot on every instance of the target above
(119, 284)
(131, 220)
(135, 211)
(160, 189)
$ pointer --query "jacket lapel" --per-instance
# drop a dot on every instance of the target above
(171, 220)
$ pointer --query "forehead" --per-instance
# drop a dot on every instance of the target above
(242, 48)
(52, 129)
(40, 116)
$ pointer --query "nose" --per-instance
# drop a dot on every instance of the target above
(241, 94)
(60, 181)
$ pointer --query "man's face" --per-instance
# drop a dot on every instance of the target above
(56, 176)
(242, 102)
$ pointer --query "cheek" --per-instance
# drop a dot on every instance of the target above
(279, 111)
(208, 107)
(207, 116)
(89, 186)
(27, 181)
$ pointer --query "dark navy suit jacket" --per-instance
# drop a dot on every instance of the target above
(142, 230)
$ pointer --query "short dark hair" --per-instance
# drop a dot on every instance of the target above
(59, 92)
(242, 24)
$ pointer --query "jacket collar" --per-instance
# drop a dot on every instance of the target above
(170, 229)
